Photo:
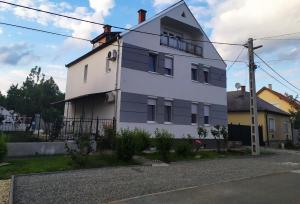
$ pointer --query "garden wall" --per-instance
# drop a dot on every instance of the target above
(21, 149)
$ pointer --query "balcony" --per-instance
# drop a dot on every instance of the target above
(181, 45)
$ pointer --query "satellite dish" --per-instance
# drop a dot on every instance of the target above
(237, 86)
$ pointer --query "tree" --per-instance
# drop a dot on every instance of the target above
(2, 100)
(35, 96)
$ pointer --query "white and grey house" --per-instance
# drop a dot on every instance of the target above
(166, 79)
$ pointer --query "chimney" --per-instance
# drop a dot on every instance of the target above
(107, 28)
(142, 15)
(243, 90)
(270, 86)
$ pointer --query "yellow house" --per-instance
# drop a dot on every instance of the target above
(277, 99)
(275, 123)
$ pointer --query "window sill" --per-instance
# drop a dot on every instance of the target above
(207, 125)
(194, 124)
(171, 76)
(205, 83)
(150, 72)
(168, 123)
(151, 122)
(194, 81)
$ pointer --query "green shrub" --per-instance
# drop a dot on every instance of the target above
(125, 145)
(141, 140)
(108, 140)
(3, 147)
(164, 142)
(80, 154)
(183, 148)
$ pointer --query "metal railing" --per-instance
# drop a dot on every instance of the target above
(181, 45)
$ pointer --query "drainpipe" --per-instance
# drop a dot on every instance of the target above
(117, 85)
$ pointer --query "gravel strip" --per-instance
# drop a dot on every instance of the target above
(109, 184)
(4, 191)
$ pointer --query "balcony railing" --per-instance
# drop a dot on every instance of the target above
(181, 45)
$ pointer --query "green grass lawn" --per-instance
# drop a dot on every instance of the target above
(39, 164)
(200, 155)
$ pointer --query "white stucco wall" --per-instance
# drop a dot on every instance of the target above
(98, 80)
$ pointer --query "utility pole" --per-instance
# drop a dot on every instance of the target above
(255, 148)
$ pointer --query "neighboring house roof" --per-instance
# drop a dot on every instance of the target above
(239, 102)
(296, 103)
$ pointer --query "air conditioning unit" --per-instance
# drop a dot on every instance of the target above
(110, 97)
(112, 55)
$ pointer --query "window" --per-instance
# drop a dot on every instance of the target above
(206, 73)
(168, 70)
(194, 72)
(151, 109)
(152, 62)
(168, 111)
(206, 114)
(271, 124)
(85, 73)
(286, 125)
(194, 111)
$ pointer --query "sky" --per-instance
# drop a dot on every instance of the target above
(223, 21)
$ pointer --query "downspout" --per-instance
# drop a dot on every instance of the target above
(267, 129)
(117, 85)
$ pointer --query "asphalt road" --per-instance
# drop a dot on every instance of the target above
(205, 181)
(275, 188)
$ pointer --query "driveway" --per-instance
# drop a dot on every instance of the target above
(180, 180)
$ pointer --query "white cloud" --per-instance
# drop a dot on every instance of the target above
(236, 21)
(96, 11)
(18, 53)
(1, 31)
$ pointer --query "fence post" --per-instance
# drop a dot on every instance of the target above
(97, 125)
(114, 125)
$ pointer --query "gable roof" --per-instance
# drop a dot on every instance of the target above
(296, 103)
(237, 102)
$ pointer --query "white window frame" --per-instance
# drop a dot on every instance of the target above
(153, 102)
(194, 113)
(206, 115)
(195, 67)
(169, 103)
(172, 68)
(271, 129)
(207, 71)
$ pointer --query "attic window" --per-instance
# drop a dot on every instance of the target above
(183, 14)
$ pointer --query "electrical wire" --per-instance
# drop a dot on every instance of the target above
(236, 59)
(278, 80)
(118, 27)
(275, 36)
(276, 72)
(124, 46)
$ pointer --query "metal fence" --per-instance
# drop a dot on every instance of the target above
(11, 123)
(70, 128)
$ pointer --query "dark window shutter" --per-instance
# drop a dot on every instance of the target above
(161, 63)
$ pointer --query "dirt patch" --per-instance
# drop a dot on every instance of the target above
(4, 191)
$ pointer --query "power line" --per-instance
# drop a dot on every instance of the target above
(118, 27)
(277, 80)
(236, 59)
(136, 48)
(276, 72)
(275, 36)
(44, 31)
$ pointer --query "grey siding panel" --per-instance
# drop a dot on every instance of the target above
(200, 114)
(181, 112)
(217, 77)
(160, 110)
(133, 108)
(218, 115)
(134, 57)
(161, 63)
